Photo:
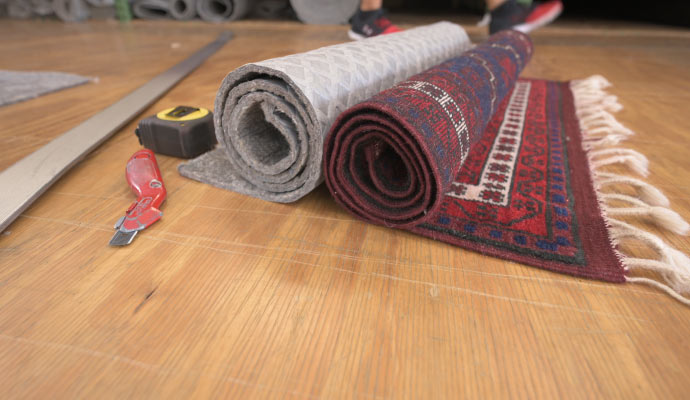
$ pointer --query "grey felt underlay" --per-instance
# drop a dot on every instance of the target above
(71, 10)
(222, 10)
(271, 117)
(271, 9)
(42, 7)
(324, 11)
(19, 9)
(16, 86)
(151, 9)
(183, 9)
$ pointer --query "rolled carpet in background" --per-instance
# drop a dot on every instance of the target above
(19, 9)
(42, 8)
(101, 3)
(271, 117)
(222, 10)
(183, 10)
(151, 9)
(71, 10)
(271, 9)
(390, 159)
(324, 11)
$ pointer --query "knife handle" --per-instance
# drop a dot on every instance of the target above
(144, 177)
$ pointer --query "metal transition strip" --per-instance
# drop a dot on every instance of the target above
(27, 179)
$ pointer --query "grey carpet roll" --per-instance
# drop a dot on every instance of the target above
(71, 10)
(183, 10)
(324, 11)
(271, 9)
(271, 117)
(101, 3)
(151, 9)
(19, 9)
(222, 10)
(42, 8)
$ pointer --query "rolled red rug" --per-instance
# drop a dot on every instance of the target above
(390, 159)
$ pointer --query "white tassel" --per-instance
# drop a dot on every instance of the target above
(600, 129)
(677, 277)
(651, 282)
(662, 216)
(595, 81)
(631, 162)
(594, 103)
(633, 159)
(607, 130)
(669, 219)
(605, 125)
(673, 266)
(648, 193)
(609, 140)
(622, 230)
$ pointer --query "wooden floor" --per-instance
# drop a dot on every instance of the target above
(233, 297)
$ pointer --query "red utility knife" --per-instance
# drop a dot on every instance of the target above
(144, 178)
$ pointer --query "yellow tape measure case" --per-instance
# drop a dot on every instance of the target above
(182, 131)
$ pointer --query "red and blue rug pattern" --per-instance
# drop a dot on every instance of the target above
(468, 154)
(525, 193)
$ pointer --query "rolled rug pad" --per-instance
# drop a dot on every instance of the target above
(151, 9)
(71, 10)
(222, 10)
(42, 7)
(19, 9)
(271, 9)
(271, 117)
(390, 159)
(324, 11)
(183, 10)
(101, 3)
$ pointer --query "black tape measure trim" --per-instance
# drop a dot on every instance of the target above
(181, 111)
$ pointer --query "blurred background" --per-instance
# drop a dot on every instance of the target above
(665, 12)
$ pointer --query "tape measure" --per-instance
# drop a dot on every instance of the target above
(180, 131)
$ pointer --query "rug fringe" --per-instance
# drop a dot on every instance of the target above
(648, 193)
(662, 216)
(600, 131)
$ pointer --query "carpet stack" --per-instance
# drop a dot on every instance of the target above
(272, 116)
(390, 159)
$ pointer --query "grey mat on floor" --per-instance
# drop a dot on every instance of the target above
(271, 117)
(151, 9)
(183, 10)
(16, 86)
(222, 10)
(324, 11)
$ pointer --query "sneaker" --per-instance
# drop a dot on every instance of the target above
(366, 24)
(524, 18)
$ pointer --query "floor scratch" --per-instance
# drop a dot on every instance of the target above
(374, 274)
